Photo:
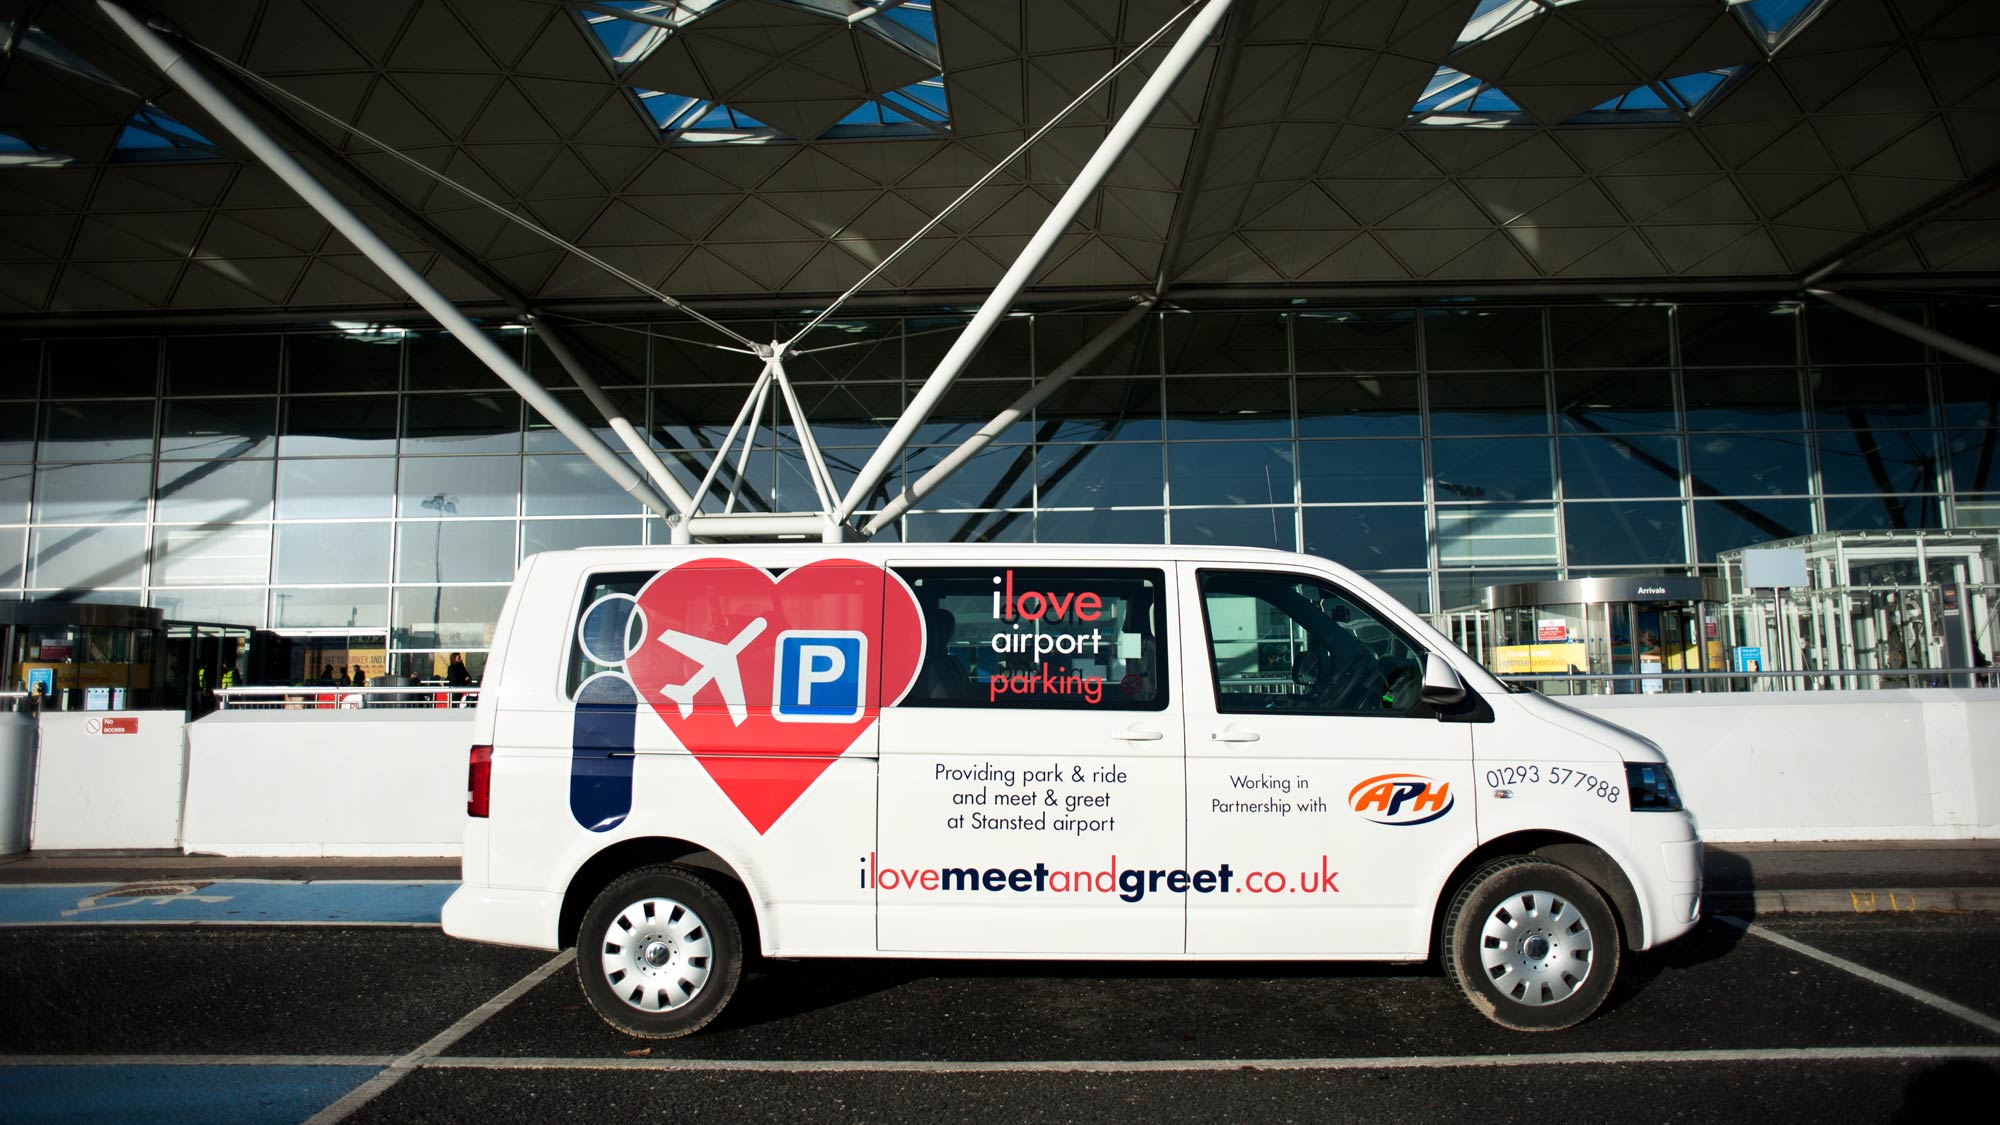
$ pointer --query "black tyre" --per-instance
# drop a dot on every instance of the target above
(1531, 943)
(659, 952)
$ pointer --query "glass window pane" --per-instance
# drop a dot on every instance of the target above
(222, 365)
(1973, 456)
(1489, 404)
(361, 360)
(1101, 410)
(1492, 469)
(1357, 471)
(999, 476)
(1734, 335)
(332, 552)
(438, 362)
(1743, 400)
(1838, 337)
(613, 356)
(1609, 336)
(842, 350)
(455, 551)
(569, 486)
(1100, 476)
(963, 411)
(857, 413)
(1495, 535)
(1368, 538)
(97, 431)
(17, 484)
(104, 367)
(1413, 590)
(1229, 408)
(543, 436)
(339, 426)
(237, 606)
(231, 555)
(1621, 534)
(1124, 526)
(1214, 342)
(336, 489)
(1748, 464)
(685, 353)
(1595, 402)
(969, 527)
(332, 607)
(1230, 472)
(1059, 336)
(215, 428)
(1463, 588)
(1870, 397)
(1491, 339)
(84, 558)
(1004, 355)
(214, 492)
(1971, 396)
(459, 486)
(1359, 406)
(695, 417)
(24, 360)
(1724, 525)
(1234, 527)
(1355, 339)
(567, 535)
(92, 493)
(1607, 467)
(1883, 513)
(17, 432)
(1289, 644)
(1884, 461)
(13, 555)
(465, 423)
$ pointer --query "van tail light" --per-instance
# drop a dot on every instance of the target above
(479, 782)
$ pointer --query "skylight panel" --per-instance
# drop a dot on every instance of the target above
(686, 119)
(1453, 97)
(1492, 17)
(918, 17)
(16, 152)
(1668, 99)
(153, 132)
(1775, 20)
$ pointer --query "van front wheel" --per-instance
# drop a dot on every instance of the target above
(659, 953)
(1531, 943)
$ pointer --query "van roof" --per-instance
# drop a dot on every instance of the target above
(1122, 552)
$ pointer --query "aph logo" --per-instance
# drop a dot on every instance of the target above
(1401, 799)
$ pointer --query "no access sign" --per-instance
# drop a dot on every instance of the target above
(126, 725)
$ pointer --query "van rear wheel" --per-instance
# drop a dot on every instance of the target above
(1531, 943)
(659, 953)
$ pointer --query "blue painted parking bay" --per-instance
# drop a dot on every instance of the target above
(225, 902)
(224, 1094)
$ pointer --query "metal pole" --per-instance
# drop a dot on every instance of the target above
(1191, 42)
(165, 56)
(1036, 395)
(1979, 357)
(722, 451)
(627, 433)
(822, 480)
(750, 438)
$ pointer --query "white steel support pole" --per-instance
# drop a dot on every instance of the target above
(750, 436)
(822, 480)
(1978, 357)
(176, 69)
(755, 397)
(663, 478)
(1036, 395)
(1191, 42)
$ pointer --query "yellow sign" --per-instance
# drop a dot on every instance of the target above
(1522, 660)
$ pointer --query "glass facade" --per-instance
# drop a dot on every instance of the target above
(376, 482)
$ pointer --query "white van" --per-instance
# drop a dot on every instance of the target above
(1039, 752)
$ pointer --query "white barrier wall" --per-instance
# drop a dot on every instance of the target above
(108, 779)
(1877, 765)
(347, 783)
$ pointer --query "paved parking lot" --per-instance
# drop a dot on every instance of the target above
(1865, 1017)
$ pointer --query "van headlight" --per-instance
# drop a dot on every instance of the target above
(1651, 787)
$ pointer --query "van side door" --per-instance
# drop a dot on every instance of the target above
(1337, 799)
(1031, 791)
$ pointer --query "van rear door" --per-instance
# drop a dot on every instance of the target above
(1031, 787)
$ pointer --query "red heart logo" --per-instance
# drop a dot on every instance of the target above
(709, 667)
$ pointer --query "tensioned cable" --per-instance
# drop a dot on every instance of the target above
(1037, 135)
(497, 208)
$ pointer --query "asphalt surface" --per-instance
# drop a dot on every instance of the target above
(1721, 1025)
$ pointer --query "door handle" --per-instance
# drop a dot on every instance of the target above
(1140, 734)
(1233, 733)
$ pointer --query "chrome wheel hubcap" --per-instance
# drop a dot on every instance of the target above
(656, 955)
(1536, 948)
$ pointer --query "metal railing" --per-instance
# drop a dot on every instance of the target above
(1815, 679)
(317, 697)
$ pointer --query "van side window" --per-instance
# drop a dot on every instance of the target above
(1288, 643)
(611, 629)
(1040, 638)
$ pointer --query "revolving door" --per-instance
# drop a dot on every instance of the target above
(1645, 629)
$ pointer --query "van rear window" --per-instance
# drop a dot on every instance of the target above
(1040, 638)
(606, 633)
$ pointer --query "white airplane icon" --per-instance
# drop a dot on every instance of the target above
(718, 665)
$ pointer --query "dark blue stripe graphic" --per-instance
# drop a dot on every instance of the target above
(600, 764)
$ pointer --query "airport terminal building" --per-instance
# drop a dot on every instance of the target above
(1466, 295)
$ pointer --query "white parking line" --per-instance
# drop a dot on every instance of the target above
(1978, 1019)
(401, 1068)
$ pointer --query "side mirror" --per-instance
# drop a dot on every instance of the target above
(1307, 666)
(1441, 683)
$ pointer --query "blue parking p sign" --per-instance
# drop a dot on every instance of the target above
(819, 676)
